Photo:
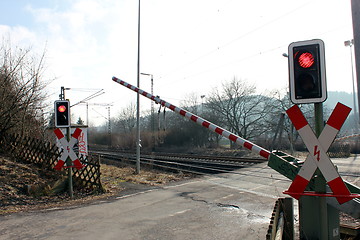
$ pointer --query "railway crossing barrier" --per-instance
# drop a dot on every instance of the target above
(300, 172)
(202, 122)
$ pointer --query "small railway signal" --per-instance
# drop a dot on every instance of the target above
(62, 113)
(307, 72)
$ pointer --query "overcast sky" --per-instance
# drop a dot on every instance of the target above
(190, 46)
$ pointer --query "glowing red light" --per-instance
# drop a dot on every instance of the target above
(306, 60)
(61, 108)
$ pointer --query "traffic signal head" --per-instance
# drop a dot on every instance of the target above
(62, 113)
(307, 72)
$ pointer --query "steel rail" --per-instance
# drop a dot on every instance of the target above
(206, 165)
(236, 161)
(173, 165)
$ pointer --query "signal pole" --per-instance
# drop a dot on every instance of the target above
(307, 78)
(62, 93)
(68, 135)
(69, 163)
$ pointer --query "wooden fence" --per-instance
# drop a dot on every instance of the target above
(89, 176)
(45, 155)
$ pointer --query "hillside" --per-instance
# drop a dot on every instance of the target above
(335, 97)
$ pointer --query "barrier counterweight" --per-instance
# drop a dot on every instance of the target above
(214, 128)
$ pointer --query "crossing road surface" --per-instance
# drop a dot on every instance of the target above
(225, 206)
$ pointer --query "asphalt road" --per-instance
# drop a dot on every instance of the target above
(226, 206)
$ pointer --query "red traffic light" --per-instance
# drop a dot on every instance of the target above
(307, 78)
(306, 60)
(62, 108)
(62, 113)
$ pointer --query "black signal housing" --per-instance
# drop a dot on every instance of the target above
(307, 77)
(62, 113)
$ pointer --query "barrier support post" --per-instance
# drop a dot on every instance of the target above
(69, 163)
(288, 209)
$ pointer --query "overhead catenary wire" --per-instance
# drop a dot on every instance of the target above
(94, 95)
(245, 58)
(228, 43)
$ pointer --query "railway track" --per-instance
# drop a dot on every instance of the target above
(192, 163)
(197, 164)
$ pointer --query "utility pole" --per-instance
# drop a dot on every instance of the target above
(94, 104)
(108, 118)
(350, 43)
(138, 101)
(109, 127)
(85, 100)
(355, 8)
(152, 110)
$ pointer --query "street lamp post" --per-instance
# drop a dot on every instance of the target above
(138, 101)
(350, 43)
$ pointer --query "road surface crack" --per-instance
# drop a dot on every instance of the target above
(227, 205)
(187, 195)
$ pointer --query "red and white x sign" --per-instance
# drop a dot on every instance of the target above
(318, 157)
(68, 149)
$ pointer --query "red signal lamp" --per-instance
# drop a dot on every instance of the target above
(306, 60)
(61, 108)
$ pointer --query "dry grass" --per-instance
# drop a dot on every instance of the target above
(113, 176)
(26, 187)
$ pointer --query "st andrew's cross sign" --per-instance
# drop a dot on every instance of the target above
(318, 157)
(68, 149)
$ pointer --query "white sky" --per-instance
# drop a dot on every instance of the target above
(188, 45)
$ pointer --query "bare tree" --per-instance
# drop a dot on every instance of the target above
(239, 109)
(182, 132)
(282, 103)
(126, 121)
(191, 103)
(21, 90)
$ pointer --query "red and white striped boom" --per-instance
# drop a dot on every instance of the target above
(236, 139)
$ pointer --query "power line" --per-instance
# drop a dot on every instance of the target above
(234, 62)
(234, 40)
